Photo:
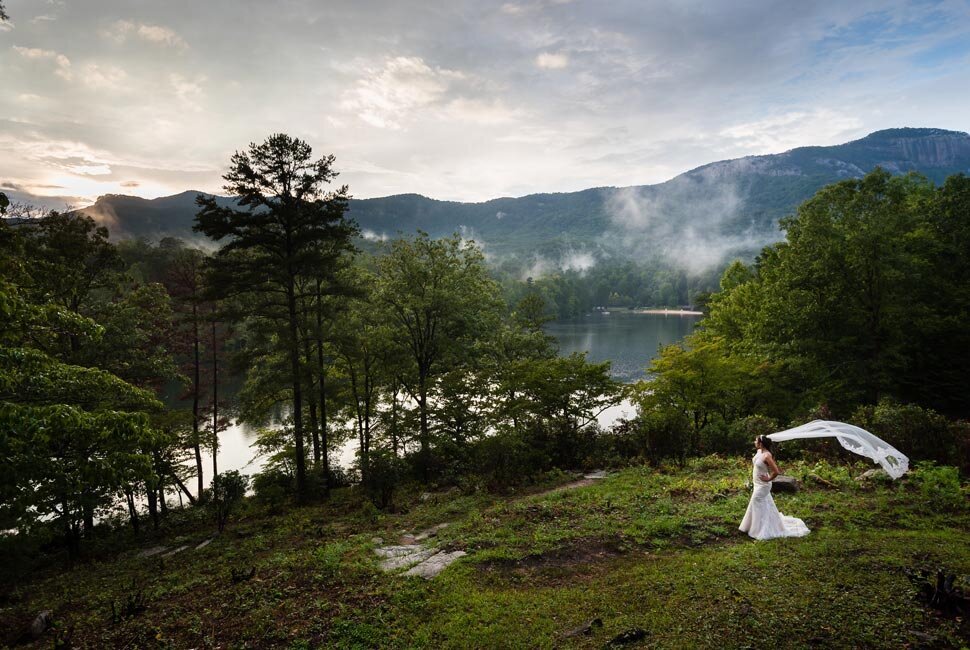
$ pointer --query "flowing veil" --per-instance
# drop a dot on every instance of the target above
(856, 440)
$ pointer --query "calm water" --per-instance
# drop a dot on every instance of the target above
(628, 340)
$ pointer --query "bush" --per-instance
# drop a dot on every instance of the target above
(273, 487)
(921, 434)
(386, 472)
(229, 489)
(740, 434)
(939, 485)
(507, 459)
(664, 435)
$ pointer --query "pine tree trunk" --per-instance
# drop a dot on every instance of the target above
(196, 389)
(312, 403)
(297, 396)
(215, 415)
(152, 496)
(322, 386)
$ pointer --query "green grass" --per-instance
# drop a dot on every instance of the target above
(645, 548)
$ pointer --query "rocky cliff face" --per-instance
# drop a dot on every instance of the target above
(897, 150)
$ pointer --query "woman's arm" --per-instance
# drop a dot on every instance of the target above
(770, 462)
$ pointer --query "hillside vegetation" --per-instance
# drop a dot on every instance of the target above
(650, 553)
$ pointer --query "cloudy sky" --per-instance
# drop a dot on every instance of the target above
(457, 99)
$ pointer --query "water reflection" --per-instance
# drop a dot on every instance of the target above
(626, 339)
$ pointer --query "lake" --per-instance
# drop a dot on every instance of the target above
(626, 339)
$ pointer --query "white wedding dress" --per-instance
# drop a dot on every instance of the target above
(762, 519)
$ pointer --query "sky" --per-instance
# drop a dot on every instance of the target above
(454, 99)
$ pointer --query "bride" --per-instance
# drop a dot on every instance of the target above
(762, 519)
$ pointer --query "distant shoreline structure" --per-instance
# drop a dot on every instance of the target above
(669, 312)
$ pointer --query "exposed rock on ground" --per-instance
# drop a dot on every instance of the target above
(434, 564)
(415, 552)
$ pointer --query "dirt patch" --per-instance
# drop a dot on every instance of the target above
(567, 562)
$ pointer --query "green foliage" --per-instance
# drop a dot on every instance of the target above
(861, 303)
(70, 437)
(864, 293)
(940, 486)
(917, 432)
(228, 490)
(282, 244)
(439, 303)
(272, 487)
(697, 394)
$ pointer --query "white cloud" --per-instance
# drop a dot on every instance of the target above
(103, 76)
(89, 170)
(386, 97)
(122, 29)
(569, 260)
(792, 129)
(649, 220)
(62, 62)
(552, 61)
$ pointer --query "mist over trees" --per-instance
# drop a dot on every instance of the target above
(859, 314)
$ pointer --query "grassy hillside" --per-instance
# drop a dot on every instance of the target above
(646, 550)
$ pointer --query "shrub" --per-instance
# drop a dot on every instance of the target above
(921, 434)
(939, 485)
(506, 459)
(664, 435)
(386, 472)
(741, 433)
(273, 487)
(229, 489)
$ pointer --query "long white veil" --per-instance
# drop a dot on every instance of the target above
(854, 439)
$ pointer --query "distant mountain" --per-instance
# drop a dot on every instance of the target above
(726, 208)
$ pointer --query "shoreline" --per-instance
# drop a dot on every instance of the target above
(669, 312)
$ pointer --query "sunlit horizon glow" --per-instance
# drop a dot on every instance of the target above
(457, 100)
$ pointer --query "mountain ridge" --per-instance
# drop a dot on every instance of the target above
(728, 207)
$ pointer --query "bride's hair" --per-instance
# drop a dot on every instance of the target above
(766, 442)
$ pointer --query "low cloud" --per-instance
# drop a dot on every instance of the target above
(694, 221)
(370, 235)
(579, 261)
